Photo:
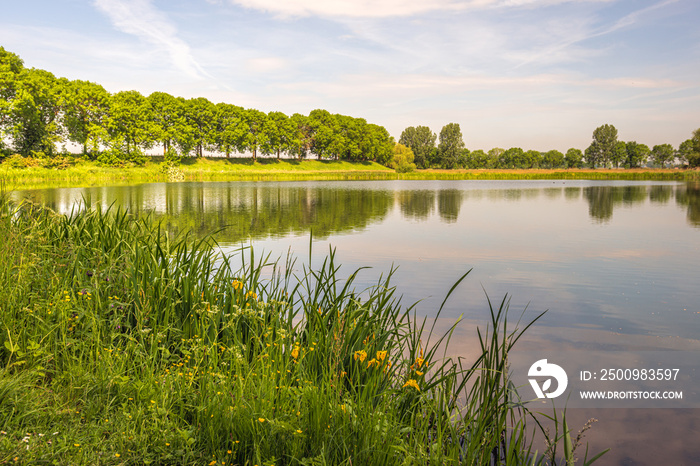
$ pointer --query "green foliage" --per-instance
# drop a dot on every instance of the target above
(601, 150)
(402, 160)
(574, 158)
(553, 159)
(136, 347)
(451, 145)
(637, 154)
(421, 141)
(663, 154)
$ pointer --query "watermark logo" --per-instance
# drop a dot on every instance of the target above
(542, 368)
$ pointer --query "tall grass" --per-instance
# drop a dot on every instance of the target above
(122, 345)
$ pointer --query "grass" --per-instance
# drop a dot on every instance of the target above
(122, 345)
(81, 172)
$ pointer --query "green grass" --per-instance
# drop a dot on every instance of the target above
(121, 345)
(80, 172)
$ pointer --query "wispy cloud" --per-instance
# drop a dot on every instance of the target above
(142, 19)
(383, 8)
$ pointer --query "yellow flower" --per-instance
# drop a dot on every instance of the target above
(419, 362)
(298, 431)
(237, 285)
(212, 463)
(381, 355)
(261, 419)
(371, 362)
(295, 352)
(251, 294)
(411, 383)
(117, 455)
(419, 373)
(361, 355)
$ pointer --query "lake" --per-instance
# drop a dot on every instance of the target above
(614, 263)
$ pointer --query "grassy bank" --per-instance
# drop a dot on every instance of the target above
(120, 345)
(79, 172)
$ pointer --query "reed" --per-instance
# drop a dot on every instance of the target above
(120, 344)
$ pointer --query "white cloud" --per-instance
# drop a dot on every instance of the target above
(383, 8)
(142, 19)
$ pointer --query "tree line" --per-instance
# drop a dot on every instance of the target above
(605, 151)
(38, 111)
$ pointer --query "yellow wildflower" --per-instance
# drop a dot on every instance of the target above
(371, 362)
(261, 419)
(419, 362)
(419, 373)
(295, 352)
(411, 383)
(381, 355)
(361, 355)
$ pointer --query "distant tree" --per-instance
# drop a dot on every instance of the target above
(574, 158)
(478, 159)
(402, 160)
(619, 153)
(553, 159)
(130, 125)
(601, 149)
(637, 154)
(86, 108)
(230, 129)
(381, 143)
(254, 122)
(277, 133)
(324, 133)
(421, 141)
(532, 159)
(694, 155)
(662, 154)
(199, 118)
(168, 114)
(450, 146)
(494, 157)
(685, 151)
(301, 141)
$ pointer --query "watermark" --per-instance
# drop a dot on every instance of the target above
(614, 379)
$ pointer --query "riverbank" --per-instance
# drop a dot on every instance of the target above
(121, 345)
(79, 172)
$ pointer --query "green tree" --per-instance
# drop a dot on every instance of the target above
(601, 149)
(478, 159)
(254, 125)
(637, 154)
(302, 137)
(278, 134)
(169, 120)
(553, 159)
(86, 108)
(199, 116)
(402, 160)
(421, 141)
(130, 126)
(619, 153)
(451, 145)
(31, 115)
(323, 133)
(694, 155)
(662, 154)
(574, 158)
(229, 129)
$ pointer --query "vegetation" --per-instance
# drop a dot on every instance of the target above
(123, 345)
(39, 111)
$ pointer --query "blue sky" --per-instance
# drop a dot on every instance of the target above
(536, 74)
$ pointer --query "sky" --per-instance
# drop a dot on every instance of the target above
(535, 74)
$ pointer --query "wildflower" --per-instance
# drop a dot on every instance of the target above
(298, 431)
(381, 355)
(229, 452)
(419, 362)
(361, 355)
(419, 373)
(76, 444)
(261, 419)
(212, 463)
(251, 294)
(295, 352)
(237, 285)
(411, 383)
(372, 362)
(117, 455)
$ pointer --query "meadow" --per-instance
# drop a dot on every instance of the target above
(122, 345)
(69, 170)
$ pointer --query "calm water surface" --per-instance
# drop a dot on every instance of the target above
(615, 263)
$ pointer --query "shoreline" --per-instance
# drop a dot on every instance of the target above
(214, 169)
